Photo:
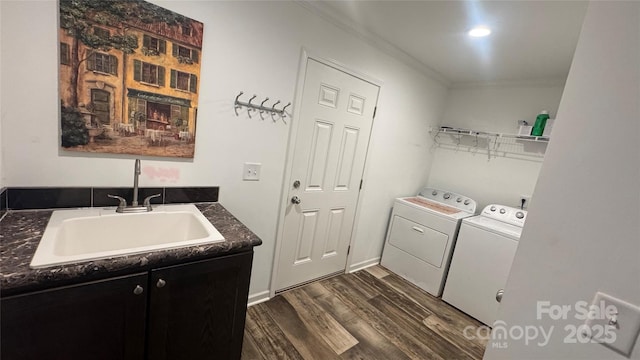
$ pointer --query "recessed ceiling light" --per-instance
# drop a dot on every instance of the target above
(479, 31)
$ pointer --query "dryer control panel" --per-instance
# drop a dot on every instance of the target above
(449, 198)
(507, 214)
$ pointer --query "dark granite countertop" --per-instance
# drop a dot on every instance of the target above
(20, 233)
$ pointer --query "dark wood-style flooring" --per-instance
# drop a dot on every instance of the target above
(370, 314)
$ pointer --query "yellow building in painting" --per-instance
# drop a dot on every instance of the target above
(100, 79)
(155, 87)
(161, 84)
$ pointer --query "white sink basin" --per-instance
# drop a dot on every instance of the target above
(89, 234)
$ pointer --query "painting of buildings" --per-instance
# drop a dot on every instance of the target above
(129, 74)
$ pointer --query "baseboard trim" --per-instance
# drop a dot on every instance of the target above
(255, 299)
(364, 264)
(310, 281)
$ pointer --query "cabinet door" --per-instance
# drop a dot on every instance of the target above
(97, 320)
(197, 310)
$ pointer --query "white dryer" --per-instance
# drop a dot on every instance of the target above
(482, 260)
(421, 236)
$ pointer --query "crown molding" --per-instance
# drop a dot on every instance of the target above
(318, 8)
(546, 82)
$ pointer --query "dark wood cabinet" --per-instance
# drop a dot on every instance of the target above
(192, 311)
(198, 310)
(99, 320)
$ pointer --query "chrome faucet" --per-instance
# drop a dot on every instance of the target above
(146, 204)
(136, 174)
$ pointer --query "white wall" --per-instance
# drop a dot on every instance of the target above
(493, 108)
(582, 233)
(250, 46)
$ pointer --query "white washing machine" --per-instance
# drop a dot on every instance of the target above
(482, 260)
(422, 234)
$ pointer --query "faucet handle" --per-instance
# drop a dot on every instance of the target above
(147, 200)
(123, 202)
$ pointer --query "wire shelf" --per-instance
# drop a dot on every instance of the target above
(495, 144)
(483, 134)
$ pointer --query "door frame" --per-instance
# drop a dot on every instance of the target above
(305, 55)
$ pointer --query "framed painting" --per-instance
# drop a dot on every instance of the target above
(129, 78)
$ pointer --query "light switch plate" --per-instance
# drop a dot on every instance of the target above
(613, 323)
(251, 172)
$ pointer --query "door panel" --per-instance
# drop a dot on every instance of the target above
(346, 158)
(101, 320)
(306, 235)
(336, 116)
(336, 221)
(328, 96)
(319, 156)
(198, 309)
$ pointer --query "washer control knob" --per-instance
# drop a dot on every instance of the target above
(446, 196)
(520, 215)
(493, 208)
(434, 193)
(459, 200)
(467, 202)
(502, 211)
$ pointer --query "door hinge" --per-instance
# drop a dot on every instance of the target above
(375, 109)
(360, 184)
(348, 249)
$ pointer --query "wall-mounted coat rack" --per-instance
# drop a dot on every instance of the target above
(262, 108)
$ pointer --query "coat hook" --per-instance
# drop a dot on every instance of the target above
(237, 97)
(284, 108)
(273, 108)
(249, 106)
(262, 105)
(237, 106)
(250, 100)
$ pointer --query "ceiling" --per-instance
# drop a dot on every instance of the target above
(530, 40)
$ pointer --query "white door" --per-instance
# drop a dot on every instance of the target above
(336, 116)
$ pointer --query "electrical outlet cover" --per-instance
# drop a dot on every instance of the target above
(613, 323)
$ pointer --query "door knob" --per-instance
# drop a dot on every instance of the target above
(138, 290)
(296, 200)
(499, 295)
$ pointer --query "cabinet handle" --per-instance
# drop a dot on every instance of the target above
(499, 295)
(138, 290)
(418, 229)
(161, 283)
